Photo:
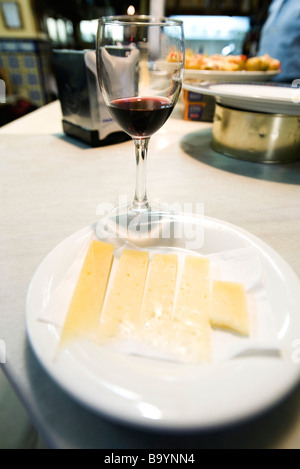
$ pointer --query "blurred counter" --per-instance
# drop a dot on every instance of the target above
(52, 186)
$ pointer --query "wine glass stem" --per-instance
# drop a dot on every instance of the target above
(140, 202)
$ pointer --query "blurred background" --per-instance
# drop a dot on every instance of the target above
(31, 29)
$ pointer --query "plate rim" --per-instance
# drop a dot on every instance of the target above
(237, 72)
(207, 87)
(239, 76)
(250, 102)
(284, 390)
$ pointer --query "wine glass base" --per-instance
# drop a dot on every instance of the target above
(136, 226)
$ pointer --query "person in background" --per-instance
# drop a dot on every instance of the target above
(280, 38)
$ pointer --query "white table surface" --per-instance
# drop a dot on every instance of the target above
(52, 186)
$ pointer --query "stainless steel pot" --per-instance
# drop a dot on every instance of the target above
(255, 136)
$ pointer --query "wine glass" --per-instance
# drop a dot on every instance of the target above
(140, 65)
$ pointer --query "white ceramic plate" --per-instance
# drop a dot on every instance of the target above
(160, 394)
(260, 98)
(238, 76)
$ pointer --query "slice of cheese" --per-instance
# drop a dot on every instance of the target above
(192, 329)
(85, 307)
(192, 338)
(123, 305)
(160, 288)
(194, 289)
(174, 339)
(229, 307)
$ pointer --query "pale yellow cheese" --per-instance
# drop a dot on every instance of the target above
(85, 307)
(194, 289)
(123, 305)
(229, 307)
(160, 288)
(187, 340)
(192, 337)
(192, 329)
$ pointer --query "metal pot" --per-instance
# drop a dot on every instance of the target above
(256, 136)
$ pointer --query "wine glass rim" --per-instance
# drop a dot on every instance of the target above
(140, 19)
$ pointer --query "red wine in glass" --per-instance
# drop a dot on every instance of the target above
(140, 87)
(141, 116)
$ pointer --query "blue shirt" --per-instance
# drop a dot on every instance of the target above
(280, 37)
